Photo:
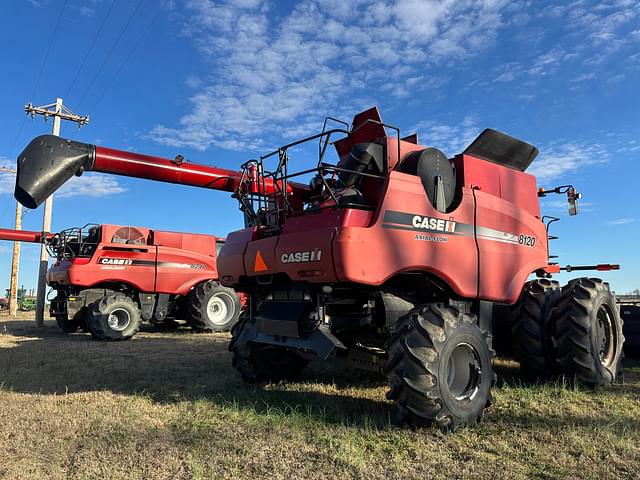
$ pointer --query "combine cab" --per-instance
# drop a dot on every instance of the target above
(393, 258)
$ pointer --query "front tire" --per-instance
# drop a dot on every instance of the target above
(71, 326)
(439, 368)
(115, 317)
(259, 362)
(213, 308)
(587, 332)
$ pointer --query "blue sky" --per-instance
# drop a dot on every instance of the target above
(222, 81)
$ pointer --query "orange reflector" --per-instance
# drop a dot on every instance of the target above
(258, 264)
(552, 268)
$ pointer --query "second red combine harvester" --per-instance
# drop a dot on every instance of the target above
(108, 279)
(392, 258)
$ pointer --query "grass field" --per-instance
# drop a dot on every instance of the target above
(168, 405)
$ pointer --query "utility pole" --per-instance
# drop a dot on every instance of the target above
(15, 261)
(59, 112)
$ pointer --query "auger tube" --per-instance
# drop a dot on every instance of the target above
(48, 162)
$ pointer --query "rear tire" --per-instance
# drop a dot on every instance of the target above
(71, 326)
(115, 317)
(259, 362)
(530, 333)
(439, 368)
(213, 308)
(587, 332)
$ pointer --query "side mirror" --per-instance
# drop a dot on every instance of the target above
(572, 200)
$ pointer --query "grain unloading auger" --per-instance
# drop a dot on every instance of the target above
(394, 259)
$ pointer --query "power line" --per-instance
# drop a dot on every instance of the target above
(15, 140)
(46, 56)
(131, 52)
(42, 67)
(93, 80)
(93, 43)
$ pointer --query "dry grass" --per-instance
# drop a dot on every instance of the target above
(168, 405)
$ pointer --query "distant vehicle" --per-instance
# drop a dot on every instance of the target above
(26, 302)
(108, 279)
(630, 314)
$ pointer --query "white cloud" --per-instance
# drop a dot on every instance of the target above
(88, 185)
(451, 139)
(559, 159)
(86, 11)
(621, 221)
(275, 76)
(91, 185)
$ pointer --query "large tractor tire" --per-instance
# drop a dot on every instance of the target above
(587, 332)
(259, 362)
(439, 368)
(72, 325)
(530, 335)
(114, 317)
(213, 308)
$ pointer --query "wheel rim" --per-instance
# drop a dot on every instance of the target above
(606, 335)
(119, 319)
(221, 308)
(464, 372)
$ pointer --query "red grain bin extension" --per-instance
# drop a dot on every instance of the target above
(393, 258)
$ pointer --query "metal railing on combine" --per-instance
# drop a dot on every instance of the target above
(269, 209)
(75, 242)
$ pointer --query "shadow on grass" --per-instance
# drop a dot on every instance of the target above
(176, 366)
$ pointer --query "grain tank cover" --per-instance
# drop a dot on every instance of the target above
(500, 148)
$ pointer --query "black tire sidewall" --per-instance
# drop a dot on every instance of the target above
(210, 291)
(604, 297)
(100, 315)
(472, 409)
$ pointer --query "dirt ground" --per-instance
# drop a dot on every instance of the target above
(169, 405)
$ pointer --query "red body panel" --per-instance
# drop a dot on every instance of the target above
(485, 248)
(164, 262)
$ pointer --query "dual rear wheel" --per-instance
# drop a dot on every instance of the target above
(574, 331)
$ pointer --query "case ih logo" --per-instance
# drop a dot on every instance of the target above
(115, 261)
(302, 257)
(433, 224)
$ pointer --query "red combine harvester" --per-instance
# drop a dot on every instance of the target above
(393, 258)
(109, 278)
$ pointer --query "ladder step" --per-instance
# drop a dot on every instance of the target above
(553, 256)
(552, 237)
